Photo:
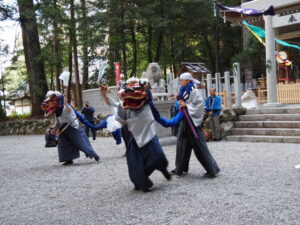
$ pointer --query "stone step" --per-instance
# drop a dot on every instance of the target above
(266, 131)
(275, 110)
(267, 124)
(255, 138)
(270, 117)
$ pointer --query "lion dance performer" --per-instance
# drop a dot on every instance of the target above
(144, 153)
(71, 136)
(190, 135)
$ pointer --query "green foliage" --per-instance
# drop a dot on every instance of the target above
(6, 11)
(252, 55)
(15, 75)
(2, 113)
(187, 29)
(138, 31)
(16, 116)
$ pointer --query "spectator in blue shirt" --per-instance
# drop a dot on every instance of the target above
(213, 106)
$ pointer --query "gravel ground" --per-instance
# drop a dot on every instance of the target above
(258, 185)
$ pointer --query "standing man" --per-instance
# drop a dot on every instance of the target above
(190, 135)
(213, 106)
(174, 110)
(88, 112)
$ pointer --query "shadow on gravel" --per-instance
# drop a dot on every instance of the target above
(76, 164)
(48, 168)
(113, 158)
(192, 178)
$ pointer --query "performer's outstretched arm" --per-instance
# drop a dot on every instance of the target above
(101, 125)
(174, 121)
(68, 107)
(108, 100)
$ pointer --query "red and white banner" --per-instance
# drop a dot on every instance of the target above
(118, 73)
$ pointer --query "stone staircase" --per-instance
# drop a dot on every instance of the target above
(278, 125)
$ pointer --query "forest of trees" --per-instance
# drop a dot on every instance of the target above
(71, 35)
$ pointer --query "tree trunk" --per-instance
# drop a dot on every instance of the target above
(217, 46)
(149, 45)
(52, 77)
(160, 38)
(123, 37)
(70, 61)
(26, 56)
(134, 50)
(160, 41)
(115, 45)
(57, 54)
(173, 57)
(183, 48)
(85, 59)
(32, 51)
(173, 65)
(75, 58)
(209, 49)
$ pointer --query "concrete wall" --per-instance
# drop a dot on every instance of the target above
(164, 108)
(95, 100)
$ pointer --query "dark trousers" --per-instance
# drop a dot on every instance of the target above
(143, 161)
(71, 141)
(87, 131)
(125, 135)
(214, 125)
(186, 142)
(51, 140)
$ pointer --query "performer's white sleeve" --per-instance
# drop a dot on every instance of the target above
(116, 106)
(56, 124)
(112, 102)
(195, 106)
(120, 114)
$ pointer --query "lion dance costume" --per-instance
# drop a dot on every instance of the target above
(144, 153)
(72, 137)
(190, 135)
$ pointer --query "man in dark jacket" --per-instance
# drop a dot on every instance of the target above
(51, 137)
(88, 112)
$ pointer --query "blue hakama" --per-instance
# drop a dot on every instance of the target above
(71, 141)
(143, 161)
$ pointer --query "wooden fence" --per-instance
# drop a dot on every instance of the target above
(288, 93)
(262, 95)
(223, 95)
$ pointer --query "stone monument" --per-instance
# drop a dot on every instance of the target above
(153, 74)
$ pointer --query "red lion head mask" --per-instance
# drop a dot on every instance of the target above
(52, 103)
(134, 95)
